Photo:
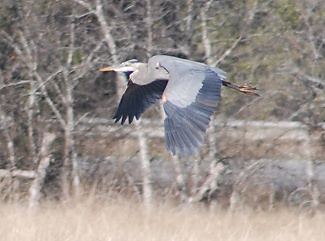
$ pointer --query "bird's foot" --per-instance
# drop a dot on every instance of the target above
(248, 89)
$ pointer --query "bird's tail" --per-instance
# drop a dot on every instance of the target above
(246, 89)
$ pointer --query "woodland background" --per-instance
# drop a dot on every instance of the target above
(58, 139)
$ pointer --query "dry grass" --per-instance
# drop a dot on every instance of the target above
(128, 221)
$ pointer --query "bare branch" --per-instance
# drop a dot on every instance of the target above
(17, 173)
(106, 29)
(58, 91)
(10, 41)
(23, 82)
(86, 5)
(33, 67)
(228, 51)
(215, 173)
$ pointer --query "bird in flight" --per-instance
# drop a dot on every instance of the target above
(189, 90)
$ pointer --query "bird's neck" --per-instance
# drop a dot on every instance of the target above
(139, 76)
(142, 75)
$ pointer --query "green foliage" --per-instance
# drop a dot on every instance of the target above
(78, 57)
(289, 13)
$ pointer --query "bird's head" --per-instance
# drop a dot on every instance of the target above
(139, 73)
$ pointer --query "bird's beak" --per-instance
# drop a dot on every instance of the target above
(117, 69)
(107, 69)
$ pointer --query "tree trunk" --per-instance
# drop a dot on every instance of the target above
(11, 153)
(189, 26)
(311, 174)
(180, 180)
(31, 120)
(70, 152)
(145, 165)
(213, 160)
(149, 28)
(205, 38)
(35, 188)
(211, 131)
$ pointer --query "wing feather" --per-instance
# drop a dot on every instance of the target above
(188, 117)
(137, 99)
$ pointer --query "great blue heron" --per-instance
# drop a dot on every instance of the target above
(189, 90)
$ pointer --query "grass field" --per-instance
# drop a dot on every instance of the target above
(124, 220)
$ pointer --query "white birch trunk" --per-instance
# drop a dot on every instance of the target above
(189, 25)
(70, 120)
(213, 160)
(149, 29)
(70, 155)
(211, 131)
(11, 153)
(10, 143)
(205, 37)
(180, 180)
(30, 114)
(195, 177)
(311, 173)
(36, 186)
(145, 165)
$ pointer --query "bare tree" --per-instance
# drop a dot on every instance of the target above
(110, 40)
(61, 78)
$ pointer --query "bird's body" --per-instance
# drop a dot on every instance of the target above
(190, 92)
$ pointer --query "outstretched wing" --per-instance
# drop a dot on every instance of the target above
(191, 97)
(138, 98)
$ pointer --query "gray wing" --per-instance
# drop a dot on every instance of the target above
(222, 74)
(191, 97)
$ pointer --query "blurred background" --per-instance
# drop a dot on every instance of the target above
(56, 108)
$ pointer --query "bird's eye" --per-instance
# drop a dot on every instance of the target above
(158, 65)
